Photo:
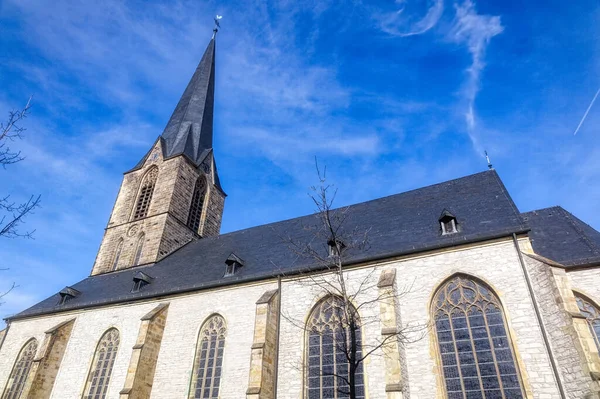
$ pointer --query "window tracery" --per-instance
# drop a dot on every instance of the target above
(20, 371)
(475, 349)
(197, 204)
(145, 194)
(328, 347)
(138, 249)
(102, 365)
(208, 362)
(117, 254)
(592, 315)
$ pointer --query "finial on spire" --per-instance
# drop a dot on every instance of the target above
(490, 167)
(217, 25)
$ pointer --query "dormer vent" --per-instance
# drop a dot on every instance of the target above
(233, 263)
(448, 223)
(335, 249)
(66, 294)
(140, 279)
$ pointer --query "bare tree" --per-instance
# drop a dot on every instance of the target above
(12, 214)
(332, 244)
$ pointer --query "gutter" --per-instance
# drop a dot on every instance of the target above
(538, 315)
(262, 277)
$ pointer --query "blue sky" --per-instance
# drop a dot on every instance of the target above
(390, 95)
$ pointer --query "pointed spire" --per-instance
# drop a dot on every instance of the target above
(190, 129)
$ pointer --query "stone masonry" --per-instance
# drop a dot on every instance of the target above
(165, 227)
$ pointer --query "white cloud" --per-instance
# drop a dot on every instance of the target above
(413, 17)
(475, 31)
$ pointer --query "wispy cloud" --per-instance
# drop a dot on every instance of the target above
(475, 31)
(412, 17)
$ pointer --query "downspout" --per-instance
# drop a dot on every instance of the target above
(538, 315)
(5, 334)
(276, 360)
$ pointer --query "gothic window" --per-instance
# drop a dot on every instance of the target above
(117, 254)
(145, 195)
(476, 352)
(20, 371)
(592, 315)
(138, 249)
(329, 344)
(197, 204)
(102, 364)
(208, 361)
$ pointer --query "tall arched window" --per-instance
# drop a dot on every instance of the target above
(145, 194)
(197, 204)
(102, 365)
(20, 371)
(208, 362)
(329, 346)
(117, 254)
(476, 351)
(592, 315)
(138, 249)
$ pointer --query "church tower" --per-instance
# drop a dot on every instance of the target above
(173, 195)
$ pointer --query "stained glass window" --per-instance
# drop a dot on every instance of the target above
(197, 204)
(329, 345)
(208, 362)
(592, 314)
(117, 254)
(138, 250)
(102, 365)
(476, 352)
(145, 195)
(20, 371)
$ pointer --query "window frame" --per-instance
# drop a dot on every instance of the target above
(197, 359)
(196, 211)
(117, 255)
(584, 298)
(137, 255)
(92, 368)
(6, 394)
(306, 351)
(438, 348)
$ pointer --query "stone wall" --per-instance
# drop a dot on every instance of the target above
(165, 226)
(557, 304)
(417, 277)
(587, 282)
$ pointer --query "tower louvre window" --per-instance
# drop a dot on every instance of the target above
(197, 204)
(145, 195)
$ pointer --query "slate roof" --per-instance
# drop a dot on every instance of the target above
(189, 131)
(559, 235)
(399, 224)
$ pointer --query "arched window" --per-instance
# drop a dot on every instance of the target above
(329, 346)
(20, 371)
(592, 315)
(102, 365)
(476, 351)
(138, 249)
(117, 254)
(208, 361)
(197, 204)
(145, 195)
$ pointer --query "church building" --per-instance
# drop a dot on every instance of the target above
(458, 294)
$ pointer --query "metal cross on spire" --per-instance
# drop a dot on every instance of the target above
(488, 161)
(217, 24)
